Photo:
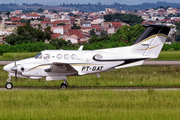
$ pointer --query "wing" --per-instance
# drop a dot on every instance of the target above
(61, 68)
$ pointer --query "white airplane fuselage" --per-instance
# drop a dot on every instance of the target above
(81, 61)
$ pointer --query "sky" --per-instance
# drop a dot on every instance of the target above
(56, 2)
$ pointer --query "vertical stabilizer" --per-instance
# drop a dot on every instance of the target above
(151, 41)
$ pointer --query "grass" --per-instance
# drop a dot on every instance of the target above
(89, 105)
(139, 76)
(164, 55)
(96, 104)
(169, 55)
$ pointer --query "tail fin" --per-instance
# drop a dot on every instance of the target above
(151, 41)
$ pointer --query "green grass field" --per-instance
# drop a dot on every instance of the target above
(96, 104)
(164, 55)
(169, 55)
(91, 104)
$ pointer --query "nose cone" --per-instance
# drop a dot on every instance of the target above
(8, 67)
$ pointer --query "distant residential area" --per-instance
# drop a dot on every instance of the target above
(79, 27)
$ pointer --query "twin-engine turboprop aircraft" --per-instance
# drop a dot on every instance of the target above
(58, 64)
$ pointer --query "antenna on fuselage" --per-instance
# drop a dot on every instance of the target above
(80, 48)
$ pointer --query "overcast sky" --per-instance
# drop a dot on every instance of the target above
(56, 2)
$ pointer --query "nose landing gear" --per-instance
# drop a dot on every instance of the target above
(9, 85)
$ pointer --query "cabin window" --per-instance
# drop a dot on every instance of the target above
(38, 56)
(66, 56)
(99, 56)
(73, 56)
(46, 56)
(59, 56)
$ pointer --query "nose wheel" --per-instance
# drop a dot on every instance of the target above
(9, 85)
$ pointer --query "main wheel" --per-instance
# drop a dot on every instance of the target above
(9, 85)
(63, 86)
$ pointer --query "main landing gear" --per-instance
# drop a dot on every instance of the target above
(64, 85)
(9, 85)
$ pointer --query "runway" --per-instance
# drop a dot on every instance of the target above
(175, 63)
(92, 88)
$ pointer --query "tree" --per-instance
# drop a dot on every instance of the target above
(13, 39)
(75, 26)
(127, 18)
(27, 33)
(61, 24)
(40, 10)
(59, 43)
(92, 32)
(71, 14)
(103, 33)
(54, 11)
(129, 34)
(8, 13)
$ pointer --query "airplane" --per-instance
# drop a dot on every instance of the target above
(59, 64)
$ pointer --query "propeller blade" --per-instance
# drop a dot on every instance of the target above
(16, 75)
(15, 59)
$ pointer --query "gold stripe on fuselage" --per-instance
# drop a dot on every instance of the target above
(151, 37)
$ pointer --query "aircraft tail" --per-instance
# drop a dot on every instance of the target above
(150, 43)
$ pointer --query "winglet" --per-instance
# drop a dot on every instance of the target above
(80, 48)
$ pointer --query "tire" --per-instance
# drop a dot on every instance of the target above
(63, 86)
(9, 85)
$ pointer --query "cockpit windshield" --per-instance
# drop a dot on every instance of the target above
(39, 54)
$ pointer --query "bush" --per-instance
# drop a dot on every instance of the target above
(173, 47)
(26, 47)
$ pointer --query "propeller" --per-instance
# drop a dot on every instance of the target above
(16, 67)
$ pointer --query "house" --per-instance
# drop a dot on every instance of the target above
(54, 36)
(58, 30)
(77, 20)
(106, 25)
(116, 25)
(35, 23)
(171, 10)
(85, 24)
(75, 35)
(97, 29)
(111, 27)
(15, 19)
(157, 18)
(25, 16)
(18, 12)
(99, 20)
(55, 23)
(73, 38)
(34, 16)
(10, 26)
(45, 23)
(145, 16)
(72, 20)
